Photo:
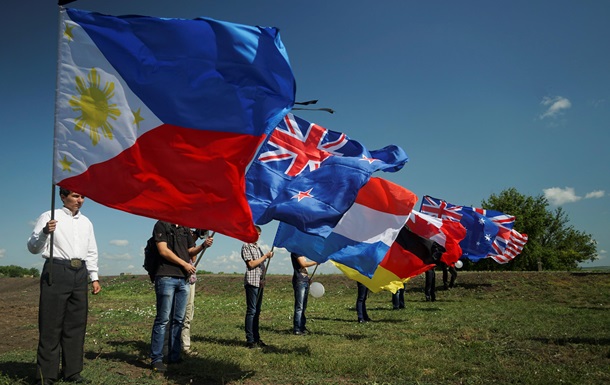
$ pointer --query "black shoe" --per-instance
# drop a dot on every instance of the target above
(300, 332)
(261, 344)
(158, 366)
(360, 320)
(45, 382)
(368, 320)
(77, 379)
(427, 298)
(178, 361)
(252, 345)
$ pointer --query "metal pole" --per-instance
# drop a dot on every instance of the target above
(204, 249)
(52, 237)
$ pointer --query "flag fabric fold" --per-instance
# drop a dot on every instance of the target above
(489, 234)
(307, 176)
(363, 235)
(160, 117)
(421, 243)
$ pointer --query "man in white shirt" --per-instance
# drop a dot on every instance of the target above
(63, 306)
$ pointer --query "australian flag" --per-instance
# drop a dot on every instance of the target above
(481, 231)
(308, 176)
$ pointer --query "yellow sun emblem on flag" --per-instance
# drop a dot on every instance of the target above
(94, 106)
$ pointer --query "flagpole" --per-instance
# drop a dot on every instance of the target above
(52, 237)
(204, 249)
(263, 277)
(314, 272)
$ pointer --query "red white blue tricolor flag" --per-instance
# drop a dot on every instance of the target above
(160, 117)
(363, 235)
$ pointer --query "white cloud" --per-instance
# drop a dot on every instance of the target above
(119, 242)
(558, 196)
(556, 105)
(2, 253)
(595, 194)
(118, 257)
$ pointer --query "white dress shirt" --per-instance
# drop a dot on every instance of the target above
(73, 238)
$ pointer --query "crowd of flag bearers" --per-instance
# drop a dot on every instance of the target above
(223, 141)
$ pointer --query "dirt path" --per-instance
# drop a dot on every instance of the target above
(19, 314)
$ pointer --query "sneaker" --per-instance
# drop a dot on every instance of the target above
(178, 361)
(190, 353)
(158, 366)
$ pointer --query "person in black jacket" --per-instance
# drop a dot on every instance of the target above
(177, 248)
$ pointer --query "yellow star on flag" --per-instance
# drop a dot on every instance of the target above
(137, 118)
(68, 32)
(65, 164)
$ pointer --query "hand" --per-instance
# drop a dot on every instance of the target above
(50, 227)
(190, 268)
(269, 255)
(208, 242)
(96, 287)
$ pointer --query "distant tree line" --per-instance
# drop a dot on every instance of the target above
(553, 244)
(18, 271)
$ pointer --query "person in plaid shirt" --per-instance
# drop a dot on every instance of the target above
(254, 283)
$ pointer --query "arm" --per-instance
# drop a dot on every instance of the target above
(38, 239)
(250, 255)
(193, 251)
(169, 255)
(252, 263)
(91, 262)
(302, 261)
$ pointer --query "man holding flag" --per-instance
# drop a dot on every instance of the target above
(254, 283)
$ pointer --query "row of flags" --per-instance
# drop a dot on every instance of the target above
(162, 117)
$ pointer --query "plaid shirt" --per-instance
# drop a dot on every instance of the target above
(251, 252)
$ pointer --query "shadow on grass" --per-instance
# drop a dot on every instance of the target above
(596, 308)
(137, 360)
(574, 340)
(193, 370)
(17, 371)
(270, 348)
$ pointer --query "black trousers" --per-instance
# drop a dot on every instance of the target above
(446, 271)
(430, 288)
(62, 320)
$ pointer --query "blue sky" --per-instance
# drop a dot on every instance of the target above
(482, 95)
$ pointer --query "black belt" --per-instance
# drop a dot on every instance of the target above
(73, 263)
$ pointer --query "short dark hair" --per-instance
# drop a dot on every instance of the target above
(258, 228)
(64, 191)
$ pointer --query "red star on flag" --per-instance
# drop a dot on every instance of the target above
(366, 158)
(303, 194)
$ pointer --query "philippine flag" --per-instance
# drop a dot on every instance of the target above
(160, 117)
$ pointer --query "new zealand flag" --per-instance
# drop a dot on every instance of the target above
(308, 176)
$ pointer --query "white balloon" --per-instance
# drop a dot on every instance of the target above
(459, 264)
(316, 289)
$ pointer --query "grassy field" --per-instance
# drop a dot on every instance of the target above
(494, 328)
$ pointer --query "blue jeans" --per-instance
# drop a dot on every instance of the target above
(172, 297)
(363, 292)
(253, 311)
(301, 289)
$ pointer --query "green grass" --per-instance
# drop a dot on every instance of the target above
(503, 328)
